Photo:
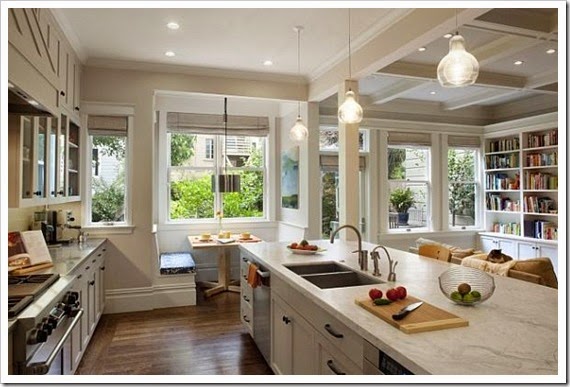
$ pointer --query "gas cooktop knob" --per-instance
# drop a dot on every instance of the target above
(71, 298)
(37, 336)
(51, 322)
(45, 326)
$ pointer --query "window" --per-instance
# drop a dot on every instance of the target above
(462, 181)
(328, 139)
(190, 176)
(209, 149)
(408, 180)
(108, 175)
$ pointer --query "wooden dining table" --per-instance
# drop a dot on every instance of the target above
(224, 283)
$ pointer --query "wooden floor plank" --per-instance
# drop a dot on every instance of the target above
(206, 339)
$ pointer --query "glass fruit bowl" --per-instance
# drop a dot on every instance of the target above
(466, 285)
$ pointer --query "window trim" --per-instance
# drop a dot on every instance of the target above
(111, 110)
(210, 143)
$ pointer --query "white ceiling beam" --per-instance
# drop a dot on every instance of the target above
(429, 72)
(521, 22)
(477, 98)
(415, 29)
(502, 47)
(402, 87)
(542, 79)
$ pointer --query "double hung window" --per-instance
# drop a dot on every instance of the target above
(192, 193)
(463, 181)
(409, 179)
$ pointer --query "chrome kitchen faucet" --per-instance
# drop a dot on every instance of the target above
(362, 254)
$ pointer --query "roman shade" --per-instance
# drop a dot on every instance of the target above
(330, 162)
(107, 125)
(214, 124)
(464, 141)
(409, 138)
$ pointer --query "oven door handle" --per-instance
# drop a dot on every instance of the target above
(42, 368)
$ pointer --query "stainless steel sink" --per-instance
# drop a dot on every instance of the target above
(328, 275)
(317, 268)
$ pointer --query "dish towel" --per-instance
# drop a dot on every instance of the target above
(501, 269)
(253, 279)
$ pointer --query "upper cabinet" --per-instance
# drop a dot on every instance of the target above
(42, 62)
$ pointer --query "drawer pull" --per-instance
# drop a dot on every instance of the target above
(104, 249)
(87, 267)
(245, 277)
(245, 298)
(332, 332)
(99, 254)
(286, 320)
(244, 259)
(102, 268)
(245, 318)
(79, 276)
(94, 260)
(331, 365)
(92, 283)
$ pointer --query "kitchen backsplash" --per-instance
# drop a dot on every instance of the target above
(20, 219)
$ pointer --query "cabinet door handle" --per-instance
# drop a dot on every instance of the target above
(77, 108)
(245, 318)
(92, 283)
(286, 320)
(87, 267)
(332, 332)
(245, 298)
(102, 268)
(79, 276)
(94, 260)
(244, 259)
(333, 368)
(60, 192)
(37, 193)
(104, 249)
(245, 277)
(62, 93)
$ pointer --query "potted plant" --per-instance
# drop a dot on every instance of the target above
(401, 200)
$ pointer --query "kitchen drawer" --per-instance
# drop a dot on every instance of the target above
(331, 361)
(345, 339)
(246, 293)
(246, 316)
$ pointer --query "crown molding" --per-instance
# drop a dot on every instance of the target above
(70, 34)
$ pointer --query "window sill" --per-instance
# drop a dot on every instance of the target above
(208, 224)
(108, 230)
(418, 233)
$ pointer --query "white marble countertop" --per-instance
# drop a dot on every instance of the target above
(67, 258)
(513, 332)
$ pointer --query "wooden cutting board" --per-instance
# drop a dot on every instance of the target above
(424, 319)
(31, 269)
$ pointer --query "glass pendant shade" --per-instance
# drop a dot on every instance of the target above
(458, 68)
(350, 112)
(299, 131)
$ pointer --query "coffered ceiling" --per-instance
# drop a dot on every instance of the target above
(238, 41)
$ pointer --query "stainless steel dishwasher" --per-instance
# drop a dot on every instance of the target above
(262, 312)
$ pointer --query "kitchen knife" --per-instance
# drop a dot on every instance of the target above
(404, 312)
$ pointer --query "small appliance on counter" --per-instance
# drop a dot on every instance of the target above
(52, 225)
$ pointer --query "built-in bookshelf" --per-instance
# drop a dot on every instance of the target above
(521, 184)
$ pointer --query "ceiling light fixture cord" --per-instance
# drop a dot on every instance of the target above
(225, 139)
(299, 67)
(349, 56)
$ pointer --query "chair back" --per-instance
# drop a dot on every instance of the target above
(435, 251)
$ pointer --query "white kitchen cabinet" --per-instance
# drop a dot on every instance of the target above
(528, 250)
(332, 361)
(246, 297)
(293, 347)
(491, 243)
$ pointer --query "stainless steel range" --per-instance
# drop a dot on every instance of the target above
(46, 313)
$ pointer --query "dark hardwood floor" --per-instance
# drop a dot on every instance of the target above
(206, 339)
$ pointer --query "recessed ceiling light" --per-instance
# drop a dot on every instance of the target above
(422, 49)
(33, 103)
(447, 36)
(268, 63)
(173, 25)
(551, 51)
(432, 92)
(518, 62)
(169, 53)
(10, 85)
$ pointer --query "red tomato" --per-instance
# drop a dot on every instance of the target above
(402, 292)
(393, 294)
(294, 245)
(375, 293)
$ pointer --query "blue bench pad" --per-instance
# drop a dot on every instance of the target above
(177, 263)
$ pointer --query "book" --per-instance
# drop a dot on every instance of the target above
(27, 248)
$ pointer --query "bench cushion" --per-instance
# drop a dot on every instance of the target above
(177, 263)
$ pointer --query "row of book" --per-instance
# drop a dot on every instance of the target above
(510, 160)
(502, 181)
(512, 228)
(537, 180)
(541, 159)
(538, 140)
(540, 229)
(503, 145)
(496, 202)
(538, 205)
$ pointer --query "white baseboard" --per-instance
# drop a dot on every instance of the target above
(153, 297)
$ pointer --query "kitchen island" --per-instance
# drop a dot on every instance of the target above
(515, 332)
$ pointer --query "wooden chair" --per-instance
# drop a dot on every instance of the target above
(434, 251)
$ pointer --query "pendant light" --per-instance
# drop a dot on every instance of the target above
(299, 131)
(226, 183)
(458, 68)
(350, 112)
